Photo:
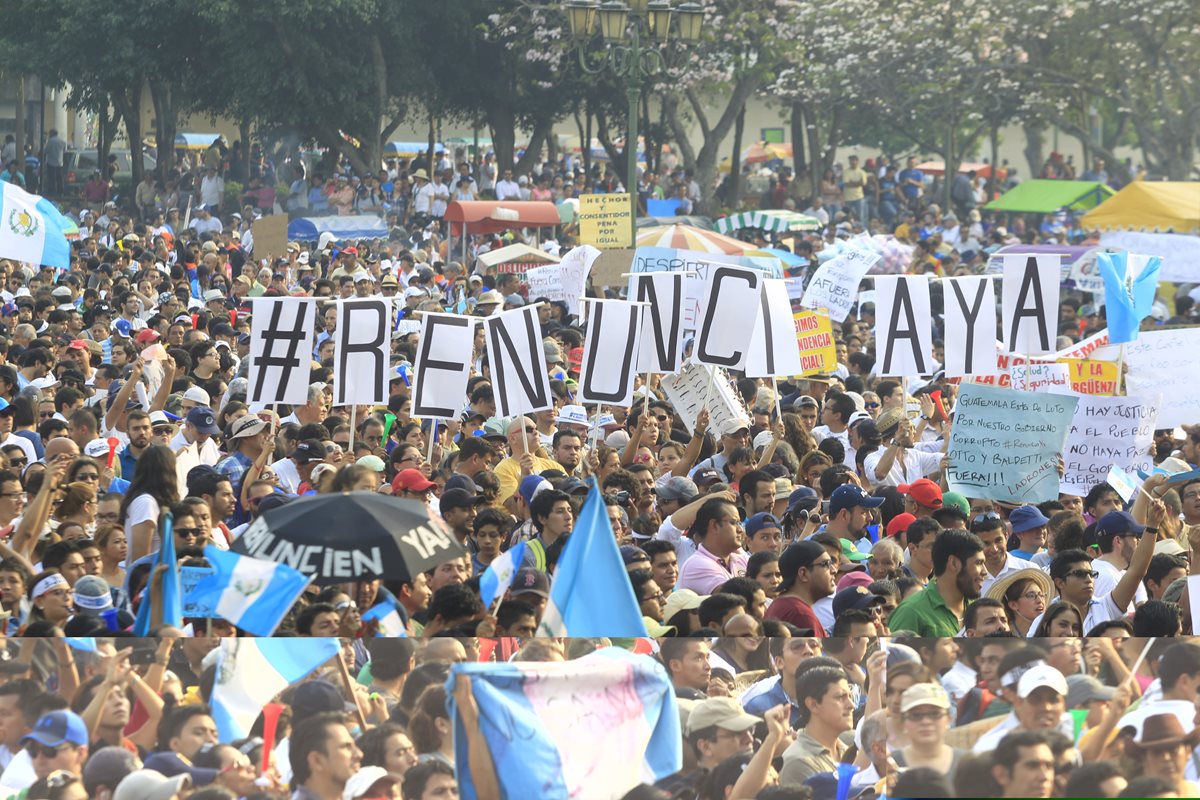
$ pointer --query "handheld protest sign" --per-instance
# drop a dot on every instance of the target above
(607, 373)
(774, 350)
(1030, 303)
(724, 338)
(662, 317)
(443, 365)
(282, 334)
(363, 330)
(970, 315)
(903, 334)
(518, 362)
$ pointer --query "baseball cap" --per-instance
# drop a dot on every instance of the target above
(56, 728)
(957, 502)
(123, 327)
(631, 553)
(372, 462)
(848, 496)
(495, 428)
(411, 480)
(731, 426)
(361, 782)
(147, 335)
(1026, 518)
(149, 784)
(160, 419)
(1083, 689)
(530, 581)
(804, 401)
(457, 498)
(246, 426)
(923, 491)
(720, 712)
(530, 486)
(173, 765)
(307, 451)
(795, 556)
(899, 523)
(924, 694)
(490, 298)
(92, 594)
(1169, 547)
(855, 578)
(704, 477)
(460, 481)
(108, 766)
(678, 488)
(1039, 676)
(854, 597)
(1118, 523)
(802, 497)
(783, 487)
(204, 420)
(759, 521)
(197, 395)
(681, 600)
(315, 697)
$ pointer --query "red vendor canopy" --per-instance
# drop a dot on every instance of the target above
(498, 216)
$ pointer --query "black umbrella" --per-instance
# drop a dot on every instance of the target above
(352, 536)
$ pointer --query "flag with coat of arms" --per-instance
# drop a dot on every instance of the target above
(32, 229)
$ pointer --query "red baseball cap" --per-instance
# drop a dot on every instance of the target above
(899, 523)
(147, 335)
(411, 480)
(924, 491)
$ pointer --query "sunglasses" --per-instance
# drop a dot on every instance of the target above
(1083, 573)
(35, 749)
(188, 533)
(871, 405)
(989, 516)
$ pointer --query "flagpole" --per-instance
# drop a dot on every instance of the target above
(778, 403)
(433, 432)
(349, 686)
(353, 419)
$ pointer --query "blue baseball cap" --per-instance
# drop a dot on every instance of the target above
(848, 496)
(530, 486)
(123, 327)
(56, 728)
(759, 521)
(803, 497)
(1027, 518)
(204, 420)
(1118, 523)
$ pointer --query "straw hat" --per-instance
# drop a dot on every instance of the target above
(998, 589)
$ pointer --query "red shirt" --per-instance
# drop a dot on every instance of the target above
(795, 611)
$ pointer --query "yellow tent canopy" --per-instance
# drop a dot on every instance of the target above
(1157, 206)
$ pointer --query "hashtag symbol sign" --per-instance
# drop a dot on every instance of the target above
(289, 342)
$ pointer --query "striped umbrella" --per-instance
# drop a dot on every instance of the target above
(685, 237)
(780, 221)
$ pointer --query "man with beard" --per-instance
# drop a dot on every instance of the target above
(809, 574)
(958, 570)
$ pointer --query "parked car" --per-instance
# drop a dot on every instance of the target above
(80, 163)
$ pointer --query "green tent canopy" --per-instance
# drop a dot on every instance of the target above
(1049, 196)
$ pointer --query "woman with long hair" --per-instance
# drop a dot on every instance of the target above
(1024, 600)
(114, 550)
(1061, 620)
(78, 504)
(430, 727)
(154, 487)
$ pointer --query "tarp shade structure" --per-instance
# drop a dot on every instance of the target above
(359, 226)
(194, 141)
(517, 252)
(409, 149)
(779, 221)
(1048, 197)
(1154, 206)
(482, 216)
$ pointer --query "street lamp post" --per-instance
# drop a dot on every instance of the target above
(633, 36)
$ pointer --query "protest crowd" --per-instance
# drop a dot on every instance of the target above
(894, 574)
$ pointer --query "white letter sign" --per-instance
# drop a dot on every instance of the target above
(443, 365)
(282, 331)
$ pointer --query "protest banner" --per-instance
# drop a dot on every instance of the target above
(518, 362)
(774, 351)
(282, 336)
(1041, 376)
(607, 373)
(1160, 363)
(542, 722)
(970, 315)
(565, 281)
(612, 267)
(1091, 376)
(814, 339)
(270, 236)
(363, 347)
(1180, 253)
(1030, 303)
(606, 220)
(1107, 432)
(903, 334)
(834, 285)
(697, 267)
(195, 607)
(1085, 273)
(687, 392)
(1005, 444)
(1095, 345)
(724, 335)
(442, 365)
(662, 318)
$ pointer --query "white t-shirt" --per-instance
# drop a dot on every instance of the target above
(23, 443)
(917, 465)
(143, 508)
(289, 477)
(1110, 576)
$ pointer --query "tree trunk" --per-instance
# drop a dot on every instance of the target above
(735, 161)
(1033, 146)
(541, 130)
(799, 162)
(951, 165)
(993, 182)
(244, 132)
(504, 137)
(107, 121)
(585, 147)
(706, 160)
(129, 105)
(165, 124)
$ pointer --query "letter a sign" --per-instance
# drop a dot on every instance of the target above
(1030, 303)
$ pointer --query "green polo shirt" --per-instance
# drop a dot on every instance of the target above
(925, 613)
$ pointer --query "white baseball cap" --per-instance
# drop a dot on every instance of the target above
(1039, 676)
(197, 395)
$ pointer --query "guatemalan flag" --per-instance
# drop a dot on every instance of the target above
(590, 594)
(499, 575)
(1130, 281)
(542, 720)
(32, 229)
(252, 671)
(252, 593)
(391, 623)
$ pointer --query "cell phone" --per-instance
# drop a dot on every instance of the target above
(824, 506)
(142, 657)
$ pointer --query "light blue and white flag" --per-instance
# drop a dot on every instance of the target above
(391, 623)
(252, 593)
(542, 720)
(1130, 281)
(32, 229)
(250, 672)
(590, 594)
(499, 575)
